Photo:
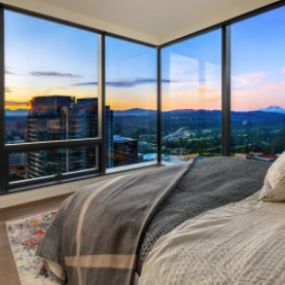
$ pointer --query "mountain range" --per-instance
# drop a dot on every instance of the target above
(137, 112)
(273, 109)
(16, 113)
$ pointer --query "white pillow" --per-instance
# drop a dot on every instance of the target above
(273, 189)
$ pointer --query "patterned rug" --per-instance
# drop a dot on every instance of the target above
(24, 236)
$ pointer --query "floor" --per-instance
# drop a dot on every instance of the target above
(8, 271)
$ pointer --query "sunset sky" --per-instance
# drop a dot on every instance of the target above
(193, 67)
(45, 58)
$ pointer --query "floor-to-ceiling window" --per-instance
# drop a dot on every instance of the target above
(191, 98)
(52, 99)
(51, 94)
(131, 103)
(258, 86)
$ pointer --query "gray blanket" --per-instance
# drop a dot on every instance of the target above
(108, 230)
(97, 231)
(211, 183)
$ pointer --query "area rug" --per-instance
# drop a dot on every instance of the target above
(24, 236)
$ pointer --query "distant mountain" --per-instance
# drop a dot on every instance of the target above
(273, 109)
(146, 112)
(190, 111)
(136, 112)
(16, 113)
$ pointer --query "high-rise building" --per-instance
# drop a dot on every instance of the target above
(87, 127)
(51, 118)
(125, 150)
(59, 118)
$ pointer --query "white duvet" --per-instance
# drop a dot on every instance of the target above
(241, 243)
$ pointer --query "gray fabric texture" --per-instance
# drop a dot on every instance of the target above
(238, 244)
(97, 231)
(140, 208)
(211, 183)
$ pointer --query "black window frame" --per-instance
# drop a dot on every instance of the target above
(226, 72)
(6, 149)
(98, 142)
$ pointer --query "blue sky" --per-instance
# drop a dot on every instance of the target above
(193, 66)
(133, 66)
(258, 61)
(45, 44)
(258, 43)
(47, 58)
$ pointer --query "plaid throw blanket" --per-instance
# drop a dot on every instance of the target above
(96, 235)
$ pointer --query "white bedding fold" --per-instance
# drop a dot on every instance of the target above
(241, 243)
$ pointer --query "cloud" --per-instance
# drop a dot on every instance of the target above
(261, 96)
(283, 70)
(205, 90)
(15, 104)
(131, 83)
(8, 90)
(54, 74)
(124, 83)
(246, 80)
(91, 83)
(9, 72)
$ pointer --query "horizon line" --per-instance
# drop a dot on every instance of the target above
(170, 110)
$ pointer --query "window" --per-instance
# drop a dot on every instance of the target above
(50, 80)
(51, 94)
(191, 98)
(29, 165)
(131, 103)
(258, 82)
(52, 97)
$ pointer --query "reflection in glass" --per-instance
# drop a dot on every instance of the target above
(191, 98)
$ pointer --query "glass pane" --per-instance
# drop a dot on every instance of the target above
(191, 98)
(36, 164)
(131, 103)
(258, 82)
(51, 85)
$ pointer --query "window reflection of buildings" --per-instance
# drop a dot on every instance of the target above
(58, 118)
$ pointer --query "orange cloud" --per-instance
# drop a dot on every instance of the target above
(12, 105)
(204, 90)
(262, 96)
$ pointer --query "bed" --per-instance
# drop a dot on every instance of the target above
(184, 224)
(241, 243)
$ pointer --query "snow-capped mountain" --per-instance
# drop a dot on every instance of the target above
(273, 109)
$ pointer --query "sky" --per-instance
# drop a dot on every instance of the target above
(47, 58)
(193, 67)
(258, 61)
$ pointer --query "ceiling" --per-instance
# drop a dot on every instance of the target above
(155, 21)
